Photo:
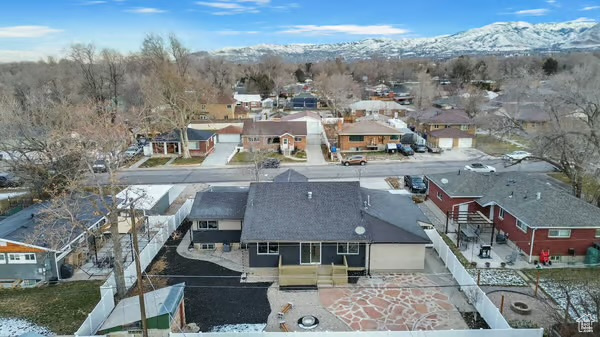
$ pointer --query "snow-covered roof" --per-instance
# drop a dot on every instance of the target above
(374, 105)
(147, 196)
(246, 98)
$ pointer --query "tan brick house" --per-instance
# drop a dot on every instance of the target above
(274, 135)
(223, 107)
(366, 136)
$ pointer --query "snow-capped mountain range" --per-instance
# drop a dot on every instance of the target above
(497, 38)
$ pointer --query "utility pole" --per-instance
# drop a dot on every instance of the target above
(138, 271)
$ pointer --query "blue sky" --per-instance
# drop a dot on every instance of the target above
(30, 29)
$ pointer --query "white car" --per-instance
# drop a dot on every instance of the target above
(133, 151)
(517, 155)
(479, 167)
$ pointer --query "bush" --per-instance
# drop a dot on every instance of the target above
(461, 258)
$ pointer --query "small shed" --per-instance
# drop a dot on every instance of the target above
(165, 312)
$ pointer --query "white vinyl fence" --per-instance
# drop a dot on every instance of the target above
(467, 284)
(420, 333)
(166, 225)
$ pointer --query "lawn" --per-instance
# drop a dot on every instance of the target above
(188, 161)
(61, 308)
(494, 146)
(247, 158)
(376, 155)
(152, 162)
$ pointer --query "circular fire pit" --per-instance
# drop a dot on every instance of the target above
(520, 308)
(308, 322)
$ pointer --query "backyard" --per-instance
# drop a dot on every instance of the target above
(61, 308)
(494, 146)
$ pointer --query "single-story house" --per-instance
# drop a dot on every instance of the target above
(305, 100)
(450, 138)
(230, 134)
(366, 136)
(165, 313)
(312, 119)
(248, 101)
(274, 135)
(201, 143)
(290, 176)
(536, 215)
(34, 246)
(531, 117)
(333, 226)
(370, 107)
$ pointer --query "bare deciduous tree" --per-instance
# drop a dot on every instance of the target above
(340, 91)
(425, 91)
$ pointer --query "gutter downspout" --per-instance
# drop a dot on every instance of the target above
(369, 261)
(532, 240)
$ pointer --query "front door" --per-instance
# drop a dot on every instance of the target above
(310, 253)
(463, 213)
(284, 144)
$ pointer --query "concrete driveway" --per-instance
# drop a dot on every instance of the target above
(220, 154)
(314, 155)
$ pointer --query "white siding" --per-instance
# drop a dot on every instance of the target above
(230, 225)
(397, 257)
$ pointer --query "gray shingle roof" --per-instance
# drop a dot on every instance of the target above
(193, 135)
(368, 128)
(290, 176)
(274, 128)
(283, 212)
(450, 133)
(219, 205)
(517, 194)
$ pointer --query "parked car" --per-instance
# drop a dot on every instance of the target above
(516, 155)
(133, 151)
(415, 184)
(355, 160)
(419, 148)
(100, 166)
(9, 180)
(270, 163)
(405, 150)
(479, 167)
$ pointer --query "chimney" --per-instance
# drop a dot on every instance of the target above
(538, 195)
(309, 195)
(340, 123)
(368, 200)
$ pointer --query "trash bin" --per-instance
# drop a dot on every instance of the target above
(226, 247)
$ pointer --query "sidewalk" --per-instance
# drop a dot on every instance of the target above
(230, 260)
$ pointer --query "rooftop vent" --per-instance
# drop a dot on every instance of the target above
(309, 195)
(538, 195)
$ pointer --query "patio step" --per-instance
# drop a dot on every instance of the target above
(323, 283)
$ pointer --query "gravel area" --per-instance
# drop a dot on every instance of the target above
(15, 327)
(214, 295)
(497, 277)
(543, 310)
(581, 301)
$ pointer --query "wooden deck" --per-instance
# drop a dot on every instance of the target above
(311, 275)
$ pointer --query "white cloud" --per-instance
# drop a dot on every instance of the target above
(584, 20)
(146, 10)
(234, 7)
(590, 8)
(16, 32)
(345, 29)
(533, 12)
(236, 32)
(91, 3)
(220, 5)
(551, 1)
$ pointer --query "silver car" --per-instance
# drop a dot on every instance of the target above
(479, 167)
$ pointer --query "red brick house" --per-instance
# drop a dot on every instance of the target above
(274, 135)
(201, 143)
(536, 215)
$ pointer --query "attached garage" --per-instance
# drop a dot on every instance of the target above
(392, 257)
(230, 134)
(312, 119)
(451, 138)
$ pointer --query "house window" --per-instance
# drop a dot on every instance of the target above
(204, 117)
(394, 137)
(203, 107)
(297, 139)
(464, 127)
(440, 196)
(253, 139)
(501, 213)
(598, 232)
(206, 225)
(357, 138)
(26, 258)
(229, 106)
(226, 117)
(274, 140)
(193, 146)
(559, 233)
(347, 248)
(267, 248)
(436, 126)
(207, 246)
(522, 226)
(2, 258)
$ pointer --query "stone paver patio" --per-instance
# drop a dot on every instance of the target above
(397, 302)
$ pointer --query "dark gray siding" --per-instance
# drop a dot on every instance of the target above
(290, 253)
(45, 261)
(214, 236)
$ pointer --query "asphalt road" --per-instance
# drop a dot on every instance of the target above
(241, 174)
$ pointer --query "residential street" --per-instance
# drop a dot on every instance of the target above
(233, 174)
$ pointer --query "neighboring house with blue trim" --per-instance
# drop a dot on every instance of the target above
(305, 100)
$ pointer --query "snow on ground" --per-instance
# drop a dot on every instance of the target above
(16, 327)
(239, 328)
(582, 302)
(11, 195)
(497, 277)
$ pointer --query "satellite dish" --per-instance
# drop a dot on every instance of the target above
(444, 181)
(360, 230)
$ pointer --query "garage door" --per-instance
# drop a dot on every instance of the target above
(229, 138)
(314, 127)
(465, 142)
(445, 143)
(395, 257)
